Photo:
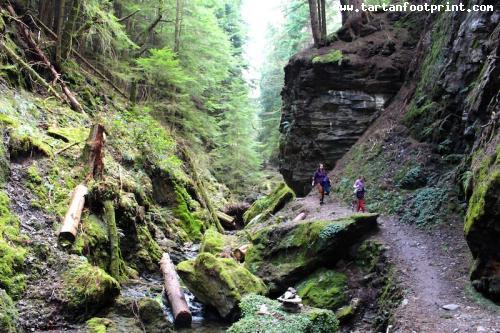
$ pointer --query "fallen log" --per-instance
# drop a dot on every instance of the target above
(174, 293)
(74, 214)
(24, 32)
(226, 220)
(240, 252)
(300, 217)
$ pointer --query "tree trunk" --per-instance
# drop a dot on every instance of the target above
(315, 28)
(178, 22)
(226, 221)
(74, 214)
(323, 31)
(93, 152)
(344, 13)
(174, 293)
(299, 217)
(69, 28)
(59, 22)
(116, 265)
(240, 253)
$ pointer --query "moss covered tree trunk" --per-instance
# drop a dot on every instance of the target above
(116, 265)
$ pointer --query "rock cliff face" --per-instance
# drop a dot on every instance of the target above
(444, 119)
(333, 94)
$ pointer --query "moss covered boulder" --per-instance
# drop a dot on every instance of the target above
(88, 287)
(482, 224)
(309, 320)
(216, 243)
(8, 314)
(325, 289)
(283, 254)
(219, 282)
(270, 204)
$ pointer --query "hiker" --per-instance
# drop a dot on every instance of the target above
(318, 181)
(359, 191)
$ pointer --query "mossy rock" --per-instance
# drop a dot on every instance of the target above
(334, 56)
(93, 241)
(219, 282)
(26, 141)
(100, 325)
(190, 222)
(368, 255)
(8, 314)
(284, 254)
(270, 204)
(87, 287)
(308, 320)
(216, 243)
(325, 289)
(482, 224)
(4, 161)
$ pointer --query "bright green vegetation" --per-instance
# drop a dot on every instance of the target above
(334, 56)
(11, 252)
(270, 204)
(190, 223)
(368, 255)
(283, 254)
(220, 282)
(485, 196)
(325, 289)
(87, 287)
(98, 325)
(8, 314)
(309, 320)
(92, 240)
(212, 242)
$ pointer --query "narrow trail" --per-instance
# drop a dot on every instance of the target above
(432, 267)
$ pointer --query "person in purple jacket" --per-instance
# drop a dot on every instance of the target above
(319, 176)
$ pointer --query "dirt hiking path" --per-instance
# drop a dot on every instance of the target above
(432, 267)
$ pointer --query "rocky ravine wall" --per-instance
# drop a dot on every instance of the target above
(333, 94)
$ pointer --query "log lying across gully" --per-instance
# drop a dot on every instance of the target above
(74, 214)
(174, 293)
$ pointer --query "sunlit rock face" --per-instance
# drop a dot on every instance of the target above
(330, 98)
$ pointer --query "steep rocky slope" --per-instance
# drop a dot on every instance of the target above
(431, 156)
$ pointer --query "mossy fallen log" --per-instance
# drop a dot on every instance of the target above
(174, 293)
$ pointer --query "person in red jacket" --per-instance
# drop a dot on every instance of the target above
(359, 191)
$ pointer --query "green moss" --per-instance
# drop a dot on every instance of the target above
(88, 287)
(282, 254)
(277, 321)
(149, 252)
(368, 255)
(324, 289)
(389, 298)
(269, 204)
(213, 242)
(413, 179)
(11, 255)
(8, 314)
(92, 241)
(220, 282)
(189, 222)
(69, 134)
(485, 196)
(331, 57)
(8, 121)
(345, 312)
(25, 140)
(99, 325)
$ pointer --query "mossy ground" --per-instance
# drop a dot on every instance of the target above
(325, 289)
(307, 321)
(8, 314)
